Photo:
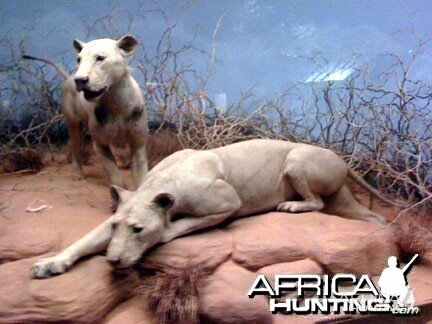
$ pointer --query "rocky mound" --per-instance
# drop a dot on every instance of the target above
(231, 256)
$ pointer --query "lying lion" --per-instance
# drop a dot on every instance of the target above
(192, 190)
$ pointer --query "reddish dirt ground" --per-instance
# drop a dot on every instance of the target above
(75, 206)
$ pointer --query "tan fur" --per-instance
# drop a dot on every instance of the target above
(204, 188)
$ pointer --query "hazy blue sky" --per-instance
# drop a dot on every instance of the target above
(258, 42)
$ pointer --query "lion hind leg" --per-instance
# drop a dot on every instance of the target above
(311, 202)
(76, 149)
(296, 174)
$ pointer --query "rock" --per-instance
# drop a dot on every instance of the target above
(427, 258)
(85, 294)
(131, 311)
(306, 266)
(260, 241)
(420, 279)
(308, 319)
(225, 300)
(204, 250)
(340, 245)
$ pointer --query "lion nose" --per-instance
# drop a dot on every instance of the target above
(114, 262)
(80, 82)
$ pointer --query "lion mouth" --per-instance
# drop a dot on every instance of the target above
(89, 94)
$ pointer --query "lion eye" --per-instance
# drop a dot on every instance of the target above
(113, 226)
(100, 58)
(137, 229)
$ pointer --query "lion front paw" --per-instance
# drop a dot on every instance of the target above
(301, 206)
(290, 207)
(48, 267)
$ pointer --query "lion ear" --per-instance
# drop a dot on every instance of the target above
(78, 45)
(118, 195)
(164, 200)
(127, 44)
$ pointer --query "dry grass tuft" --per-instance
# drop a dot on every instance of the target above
(207, 133)
(162, 144)
(25, 160)
(414, 232)
(172, 298)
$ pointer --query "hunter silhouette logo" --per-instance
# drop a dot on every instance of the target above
(393, 283)
(340, 292)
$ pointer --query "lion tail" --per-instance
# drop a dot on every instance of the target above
(374, 191)
(57, 66)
